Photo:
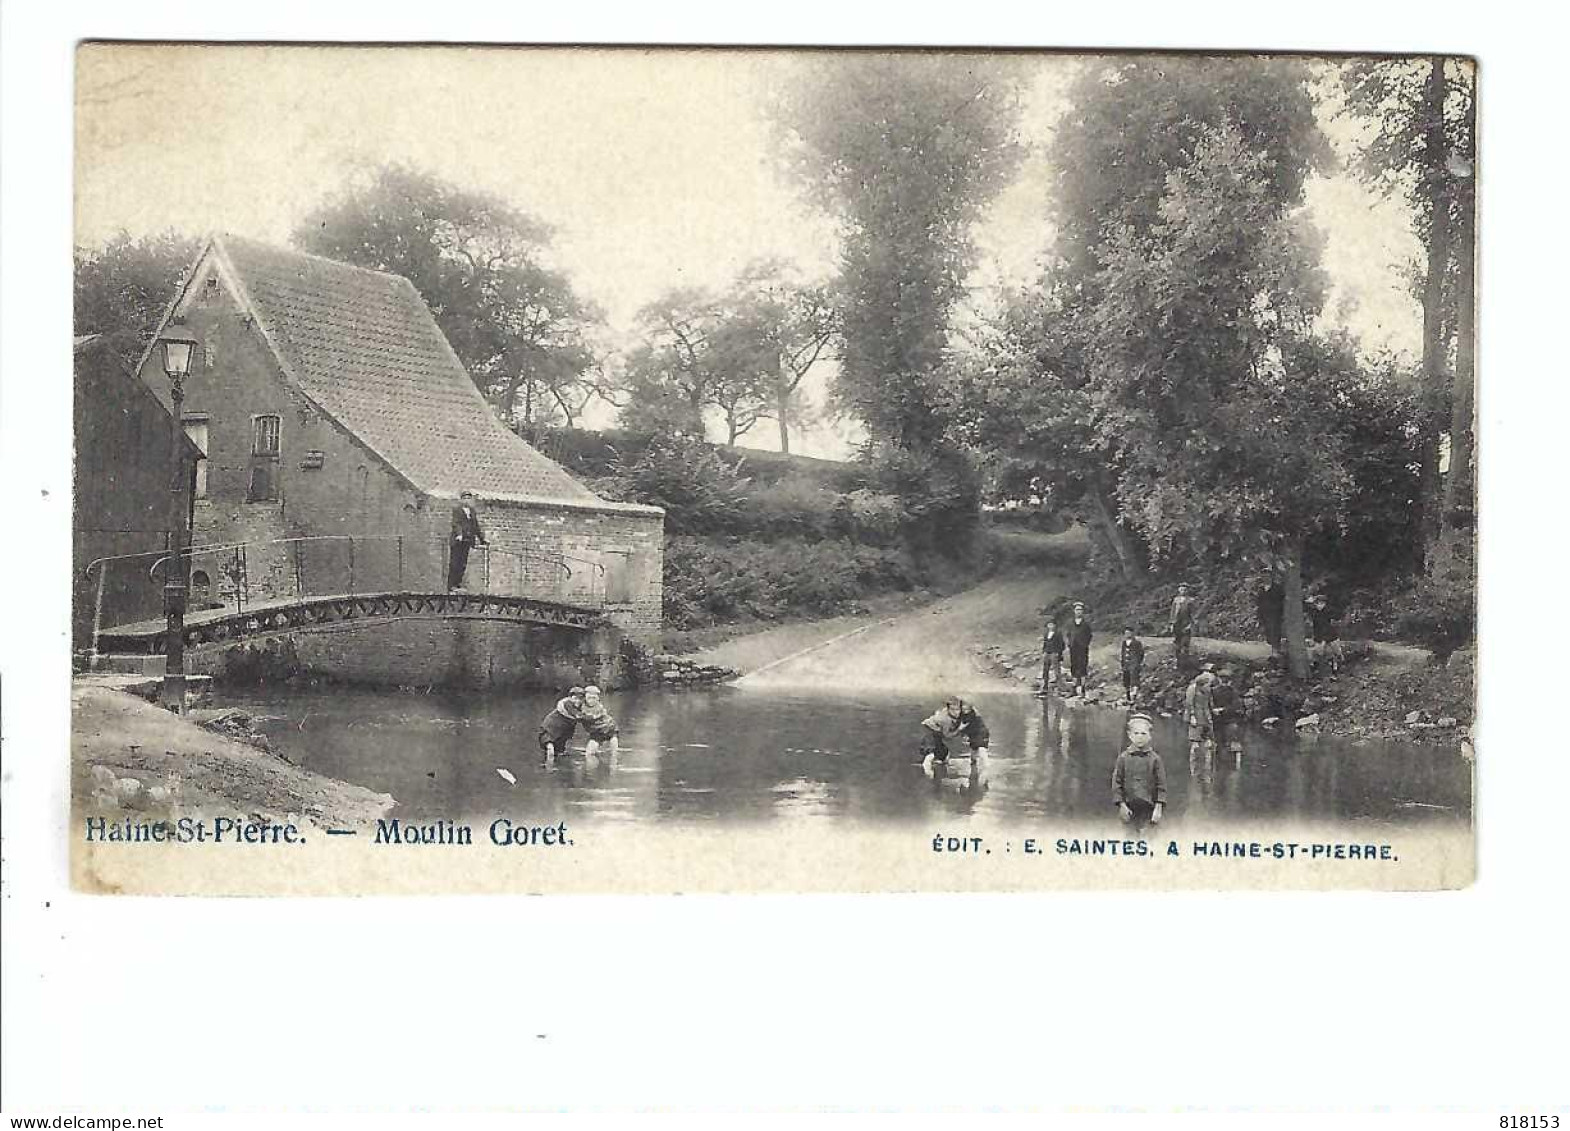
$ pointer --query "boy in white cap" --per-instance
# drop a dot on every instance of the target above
(1139, 781)
(600, 724)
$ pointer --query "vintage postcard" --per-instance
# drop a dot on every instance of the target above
(651, 470)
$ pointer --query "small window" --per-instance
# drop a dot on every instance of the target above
(264, 435)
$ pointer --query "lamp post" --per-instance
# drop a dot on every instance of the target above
(177, 343)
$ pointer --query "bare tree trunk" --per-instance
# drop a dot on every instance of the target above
(1129, 563)
(782, 413)
(1459, 489)
(1434, 344)
(1292, 620)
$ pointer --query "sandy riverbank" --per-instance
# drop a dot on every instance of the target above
(989, 638)
(180, 769)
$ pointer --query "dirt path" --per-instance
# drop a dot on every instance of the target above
(932, 649)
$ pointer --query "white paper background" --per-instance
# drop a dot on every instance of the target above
(145, 1006)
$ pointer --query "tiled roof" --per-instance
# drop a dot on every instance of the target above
(364, 347)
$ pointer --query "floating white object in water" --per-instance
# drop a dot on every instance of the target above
(506, 776)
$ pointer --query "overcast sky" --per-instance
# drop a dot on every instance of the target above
(654, 167)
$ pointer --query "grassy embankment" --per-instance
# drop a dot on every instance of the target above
(759, 539)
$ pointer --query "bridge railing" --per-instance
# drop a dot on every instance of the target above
(237, 576)
(565, 578)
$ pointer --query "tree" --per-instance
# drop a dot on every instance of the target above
(1133, 121)
(744, 354)
(905, 150)
(1422, 119)
(478, 262)
(1052, 402)
(1206, 362)
(120, 290)
(1020, 401)
(780, 328)
(674, 376)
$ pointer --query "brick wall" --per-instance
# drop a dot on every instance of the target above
(597, 545)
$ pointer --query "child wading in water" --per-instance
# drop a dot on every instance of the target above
(1131, 657)
(1139, 783)
(558, 727)
(1198, 706)
(955, 719)
(600, 724)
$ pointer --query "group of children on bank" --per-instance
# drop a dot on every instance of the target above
(1139, 784)
(1131, 651)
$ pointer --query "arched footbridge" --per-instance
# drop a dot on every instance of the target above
(253, 590)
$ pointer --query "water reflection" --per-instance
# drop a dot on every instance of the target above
(743, 755)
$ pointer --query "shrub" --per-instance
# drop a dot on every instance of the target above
(700, 492)
(878, 519)
(795, 507)
(709, 580)
(1439, 611)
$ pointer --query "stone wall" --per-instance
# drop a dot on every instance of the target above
(435, 652)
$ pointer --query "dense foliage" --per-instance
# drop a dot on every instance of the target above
(905, 150)
(805, 538)
(481, 265)
(1170, 379)
(120, 290)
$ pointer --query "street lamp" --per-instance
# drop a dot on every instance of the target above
(177, 343)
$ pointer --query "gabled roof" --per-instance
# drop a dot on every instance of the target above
(91, 360)
(364, 347)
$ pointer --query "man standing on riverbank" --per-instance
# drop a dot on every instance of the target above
(466, 533)
(1079, 635)
(1271, 607)
(1182, 627)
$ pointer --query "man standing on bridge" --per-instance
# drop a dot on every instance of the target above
(465, 533)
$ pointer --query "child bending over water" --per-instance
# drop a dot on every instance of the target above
(558, 727)
(600, 724)
(955, 719)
